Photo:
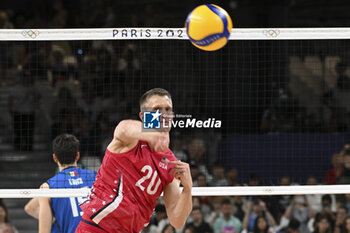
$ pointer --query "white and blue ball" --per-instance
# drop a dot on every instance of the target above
(208, 27)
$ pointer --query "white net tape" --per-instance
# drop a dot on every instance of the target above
(196, 191)
(169, 33)
(177, 34)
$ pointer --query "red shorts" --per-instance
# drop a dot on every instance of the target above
(87, 226)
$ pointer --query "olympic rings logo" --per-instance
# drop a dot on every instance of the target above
(271, 33)
(30, 34)
(25, 193)
(268, 190)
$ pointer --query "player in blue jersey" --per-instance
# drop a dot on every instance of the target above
(62, 214)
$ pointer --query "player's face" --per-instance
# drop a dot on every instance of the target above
(165, 106)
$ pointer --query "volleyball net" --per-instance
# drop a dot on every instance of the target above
(268, 110)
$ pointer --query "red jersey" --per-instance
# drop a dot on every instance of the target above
(127, 187)
(332, 175)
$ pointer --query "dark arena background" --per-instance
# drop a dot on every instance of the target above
(283, 104)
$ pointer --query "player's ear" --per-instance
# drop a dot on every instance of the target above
(55, 158)
(141, 116)
(77, 157)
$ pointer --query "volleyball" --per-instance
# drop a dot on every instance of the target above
(208, 27)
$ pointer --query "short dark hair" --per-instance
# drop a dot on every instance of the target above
(294, 224)
(197, 208)
(189, 227)
(65, 147)
(226, 201)
(154, 91)
(327, 197)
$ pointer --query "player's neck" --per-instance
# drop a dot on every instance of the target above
(64, 166)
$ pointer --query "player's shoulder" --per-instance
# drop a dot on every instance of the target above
(56, 180)
(57, 176)
(87, 172)
(128, 122)
(84, 170)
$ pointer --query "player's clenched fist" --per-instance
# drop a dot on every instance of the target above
(160, 142)
(182, 172)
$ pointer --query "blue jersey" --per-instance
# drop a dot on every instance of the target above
(54, 228)
(66, 210)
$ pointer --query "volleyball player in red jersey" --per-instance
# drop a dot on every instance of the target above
(138, 166)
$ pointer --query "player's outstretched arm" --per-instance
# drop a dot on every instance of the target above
(32, 208)
(128, 132)
(45, 214)
(179, 203)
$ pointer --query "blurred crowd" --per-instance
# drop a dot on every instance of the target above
(86, 88)
(312, 213)
(5, 224)
(104, 78)
(330, 112)
(77, 14)
(299, 213)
